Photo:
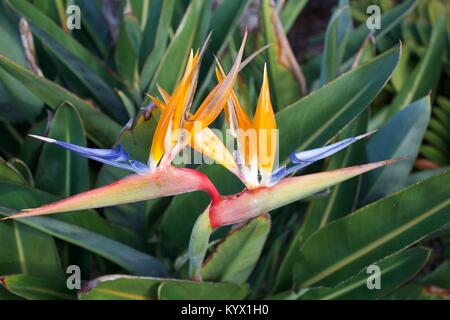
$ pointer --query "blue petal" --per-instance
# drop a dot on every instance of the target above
(313, 155)
(305, 158)
(115, 157)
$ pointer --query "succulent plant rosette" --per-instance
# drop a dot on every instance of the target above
(267, 187)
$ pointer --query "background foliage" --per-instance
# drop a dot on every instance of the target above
(83, 86)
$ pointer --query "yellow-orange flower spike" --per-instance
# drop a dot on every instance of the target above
(265, 124)
(172, 115)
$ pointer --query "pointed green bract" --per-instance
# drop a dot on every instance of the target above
(234, 259)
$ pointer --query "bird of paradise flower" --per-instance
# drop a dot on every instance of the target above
(267, 188)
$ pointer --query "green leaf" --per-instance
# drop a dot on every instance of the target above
(61, 171)
(31, 147)
(128, 49)
(7, 295)
(317, 118)
(16, 101)
(117, 287)
(121, 287)
(24, 197)
(440, 277)
(28, 251)
(341, 200)
(100, 128)
(94, 22)
(187, 290)
(155, 38)
(285, 75)
(426, 75)
(418, 292)
(401, 136)
(10, 174)
(87, 222)
(198, 244)
(236, 256)
(41, 21)
(290, 13)
(23, 169)
(180, 216)
(403, 70)
(134, 261)
(225, 19)
(389, 21)
(336, 39)
(394, 270)
(36, 288)
(344, 247)
(170, 68)
(98, 88)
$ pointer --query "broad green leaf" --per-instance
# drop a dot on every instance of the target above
(170, 67)
(394, 271)
(122, 287)
(61, 171)
(155, 38)
(426, 75)
(99, 89)
(336, 39)
(285, 76)
(344, 247)
(401, 136)
(180, 216)
(188, 290)
(100, 129)
(37, 288)
(417, 292)
(198, 244)
(128, 49)
(94, 22)
(290, 12)
(16, 101)
(31, 148)
(23, 169)
(423, 175)
(403, 70)
(236, 256)
(10, 174)
(7, 295)
(224, 20)
(21, 197)
(137, 139)
(440, 277)
(27, 251)
(40, 20)
(118, 287)
(340, 201)
(317, 118)
(389, 21)
(134, 261)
